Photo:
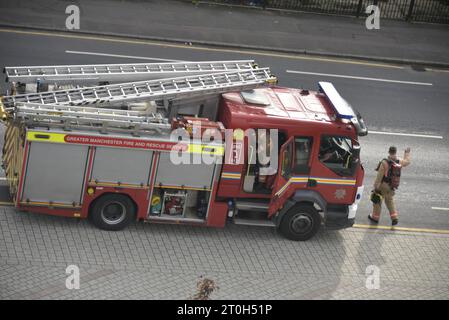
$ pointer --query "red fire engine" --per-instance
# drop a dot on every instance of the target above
(97, 142)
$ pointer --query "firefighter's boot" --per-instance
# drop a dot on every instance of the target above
(372, 219)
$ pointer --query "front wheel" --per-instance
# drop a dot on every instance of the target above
(112, 212)
(300, 223)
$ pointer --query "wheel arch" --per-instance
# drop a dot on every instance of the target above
(93, 202)
(307, 197)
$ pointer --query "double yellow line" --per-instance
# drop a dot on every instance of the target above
(394, 228)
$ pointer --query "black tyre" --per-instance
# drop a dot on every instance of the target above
(300, 223)
(112, 212)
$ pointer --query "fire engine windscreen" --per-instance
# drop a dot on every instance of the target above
(340, 154)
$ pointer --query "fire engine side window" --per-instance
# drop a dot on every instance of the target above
(335, 153)
(287, 156)
(303, 149)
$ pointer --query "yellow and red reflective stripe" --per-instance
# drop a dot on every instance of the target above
(54, 137)
(325, 181)
(231, 175)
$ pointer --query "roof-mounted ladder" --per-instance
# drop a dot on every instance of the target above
(121, 72)
(151, 90)
(69, 117)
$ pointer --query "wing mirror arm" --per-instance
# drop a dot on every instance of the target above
(359, 124)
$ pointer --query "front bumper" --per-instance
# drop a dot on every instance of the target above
(336, 219)
(353, 207)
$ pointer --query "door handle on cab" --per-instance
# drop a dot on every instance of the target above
(311, 183)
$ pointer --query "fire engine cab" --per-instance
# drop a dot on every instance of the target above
(181, 143)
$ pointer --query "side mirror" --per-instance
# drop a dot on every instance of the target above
(355, 159)
(356, 152)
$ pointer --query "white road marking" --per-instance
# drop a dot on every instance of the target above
(406, 134)
(3, 178)
(120, 56)
(360, 78)
(439, 208)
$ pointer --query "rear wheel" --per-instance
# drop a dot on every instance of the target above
(300, 223)
(112, 212)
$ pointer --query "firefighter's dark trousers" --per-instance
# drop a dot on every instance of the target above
(388, 196)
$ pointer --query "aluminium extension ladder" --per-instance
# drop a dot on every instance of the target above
(120, 72)
(69, 117)
(151, 90)
(95, 107)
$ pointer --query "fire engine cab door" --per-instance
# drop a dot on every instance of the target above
(333, 174)
(284, 173)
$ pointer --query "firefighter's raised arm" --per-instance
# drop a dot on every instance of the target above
(406, 160)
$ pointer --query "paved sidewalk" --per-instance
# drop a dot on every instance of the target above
(148, 261)
(222, 25)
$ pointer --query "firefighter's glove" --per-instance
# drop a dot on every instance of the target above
(375, 197)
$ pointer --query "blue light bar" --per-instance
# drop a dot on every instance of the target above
(341, 107)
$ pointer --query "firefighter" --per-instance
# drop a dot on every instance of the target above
(386, 183)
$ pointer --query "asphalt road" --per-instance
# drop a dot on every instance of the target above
(401, 105)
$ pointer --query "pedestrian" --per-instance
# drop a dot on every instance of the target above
(386, 183)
